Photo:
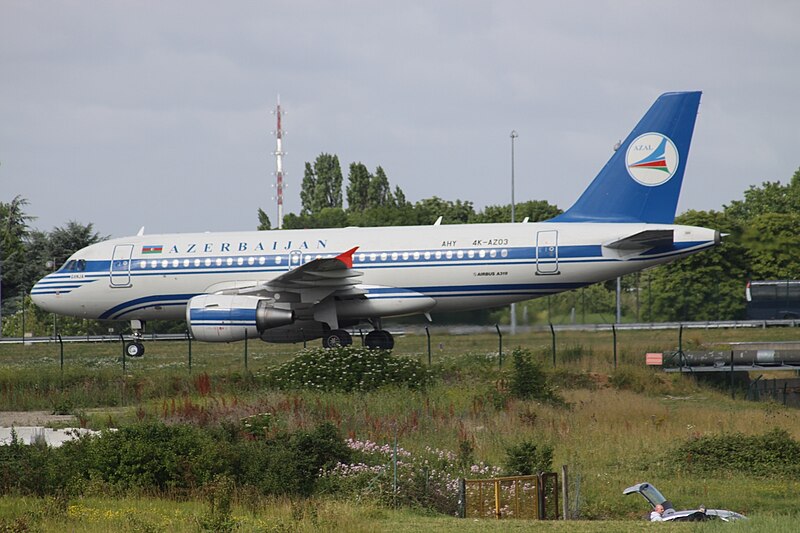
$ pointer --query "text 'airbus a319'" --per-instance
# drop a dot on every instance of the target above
(296, 285)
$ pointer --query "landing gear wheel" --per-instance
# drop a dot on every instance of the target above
(336, 339)
(379, 339)
(134, 349)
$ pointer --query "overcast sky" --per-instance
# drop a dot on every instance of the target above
(158, 114)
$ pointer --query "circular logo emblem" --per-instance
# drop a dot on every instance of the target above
(652, 159)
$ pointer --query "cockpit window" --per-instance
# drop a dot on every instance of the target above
(74, 266)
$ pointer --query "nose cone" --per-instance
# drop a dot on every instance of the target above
(44, 295)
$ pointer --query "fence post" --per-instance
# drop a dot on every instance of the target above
(122, 341)
(564, 493)
(462, 498)
(614, 333)
(245, 352)
(61, 343)
(428, 334)
(189, 338)
(500, 346)
(553, 334)
(497, 499)
(541, 511)
(124, 354)
(394, 469)
(733, 392)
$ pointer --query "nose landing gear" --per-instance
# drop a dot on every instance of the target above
(135, 348)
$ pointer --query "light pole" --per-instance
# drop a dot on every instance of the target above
(514, 135)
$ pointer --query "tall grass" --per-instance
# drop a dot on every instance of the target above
(615, 431)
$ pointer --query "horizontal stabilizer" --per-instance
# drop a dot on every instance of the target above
(647, 239)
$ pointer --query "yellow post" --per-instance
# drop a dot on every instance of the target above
(497, 498)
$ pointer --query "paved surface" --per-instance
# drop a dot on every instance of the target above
(32, 434)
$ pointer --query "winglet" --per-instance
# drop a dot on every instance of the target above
(347, 257)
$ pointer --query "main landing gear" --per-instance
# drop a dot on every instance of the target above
(135, 348)
(336, 338)
(377, 339)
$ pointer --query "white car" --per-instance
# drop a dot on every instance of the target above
(654, 497)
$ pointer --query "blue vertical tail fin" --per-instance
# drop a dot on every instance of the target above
(642, 180)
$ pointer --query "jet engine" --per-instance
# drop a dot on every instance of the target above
(231, 317)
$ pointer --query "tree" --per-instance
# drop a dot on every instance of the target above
(705, 286)
(358, 182)
(430, 209)
(14, 230)
(535, 210)
(771, 197)
(773, 246)
(379, 193)
(329, 217)
(322, 185)
(263, 221)
(45, 252)
(307, 191)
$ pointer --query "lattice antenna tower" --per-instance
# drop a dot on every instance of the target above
(279, 163)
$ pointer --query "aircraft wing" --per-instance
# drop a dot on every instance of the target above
(646, 239)
(314, 281)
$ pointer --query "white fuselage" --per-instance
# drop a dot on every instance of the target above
(456, 267)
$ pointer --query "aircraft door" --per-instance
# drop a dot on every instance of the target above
(547, 252)
(120, 271)
(295, 259)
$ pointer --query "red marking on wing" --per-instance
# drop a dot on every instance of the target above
(347, 257)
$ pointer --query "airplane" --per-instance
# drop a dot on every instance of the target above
(299, 285)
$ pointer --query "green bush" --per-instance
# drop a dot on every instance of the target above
(290, 464)
(172, 459)
(527, 458)
(349, 369)
(773, 453)
(153, 456)
(528, 380)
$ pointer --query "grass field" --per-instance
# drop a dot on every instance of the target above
(617, 430)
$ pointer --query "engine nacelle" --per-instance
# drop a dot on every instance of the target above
(231, 317)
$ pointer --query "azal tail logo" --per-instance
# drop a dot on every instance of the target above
(152, 249)
(652, 159)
